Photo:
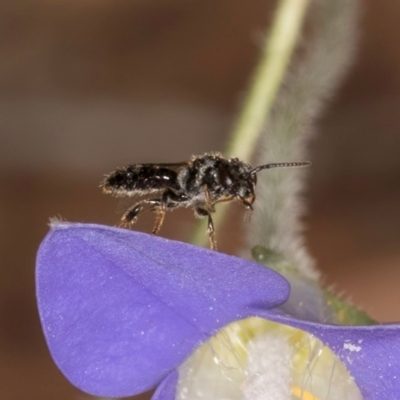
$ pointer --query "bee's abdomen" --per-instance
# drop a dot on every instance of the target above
(134, 179)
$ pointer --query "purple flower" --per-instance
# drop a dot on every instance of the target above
(122, 310)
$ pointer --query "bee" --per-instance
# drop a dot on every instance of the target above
(200, 184)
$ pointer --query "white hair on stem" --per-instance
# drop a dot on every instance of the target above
(323, 60)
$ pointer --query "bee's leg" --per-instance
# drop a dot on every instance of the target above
(201, 212)
(160, 210)
(168, 201)
(131, 215)
(210, 204)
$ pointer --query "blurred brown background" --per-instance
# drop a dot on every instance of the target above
(89, 85)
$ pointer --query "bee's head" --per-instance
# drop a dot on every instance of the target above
(245, 189)
(246, 185)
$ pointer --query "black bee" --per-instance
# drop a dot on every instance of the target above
(199, 183)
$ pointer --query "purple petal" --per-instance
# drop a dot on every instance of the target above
(120, 309)
(167, 389)
(370, 353)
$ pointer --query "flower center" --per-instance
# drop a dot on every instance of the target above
(255, 359)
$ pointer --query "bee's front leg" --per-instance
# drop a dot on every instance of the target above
(202, 212)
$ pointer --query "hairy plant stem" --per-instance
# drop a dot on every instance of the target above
(266, 82)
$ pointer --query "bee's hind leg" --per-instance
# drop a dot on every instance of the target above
(131, 215)
(201, 212)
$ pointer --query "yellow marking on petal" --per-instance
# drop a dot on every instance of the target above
(303, 394)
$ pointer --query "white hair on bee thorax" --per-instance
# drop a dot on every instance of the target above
(325, 57)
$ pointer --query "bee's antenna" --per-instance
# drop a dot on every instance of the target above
(281, 165)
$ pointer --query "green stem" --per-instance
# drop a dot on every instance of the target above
(267, 80)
